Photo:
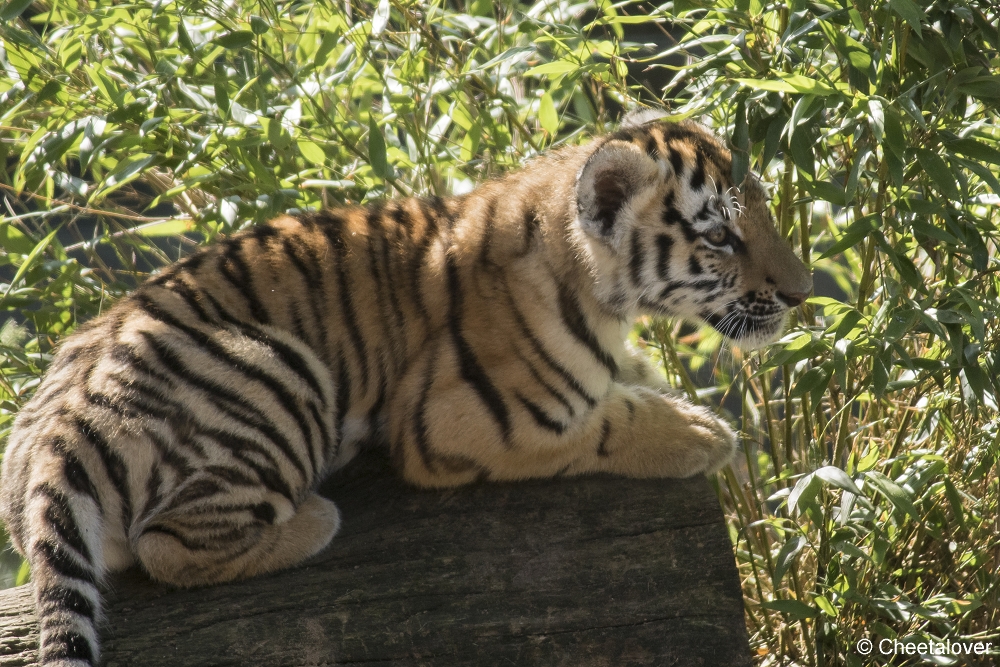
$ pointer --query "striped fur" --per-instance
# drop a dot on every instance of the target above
(479, 336)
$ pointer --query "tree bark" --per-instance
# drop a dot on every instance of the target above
(584, 571)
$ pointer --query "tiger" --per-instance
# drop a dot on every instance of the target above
(476, 337)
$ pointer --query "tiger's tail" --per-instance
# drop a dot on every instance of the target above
(63, 516)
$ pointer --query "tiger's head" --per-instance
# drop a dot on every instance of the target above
(669, 233)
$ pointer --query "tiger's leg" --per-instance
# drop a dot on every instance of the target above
(453, 432)
(205, 549)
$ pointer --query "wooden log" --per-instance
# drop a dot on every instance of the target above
(584, 571)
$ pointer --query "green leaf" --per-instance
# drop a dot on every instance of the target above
(258, 25)
(14, 8)
(939, 173)
(13, 239)
(510, 53)
(894, 493)
(975, 150)
(909, 11)
(825, 190)
(834, 476)
(30, 259)
(312, 152)
(894, 138)
(793, 608)
(982, 86)
(23, 574)
(557, 67)
(183, 38)
(851, 550)
(803, 492)
(234, 40)
(855, 233)
(741, 143)
(811, 379)
(376, 150)
(165, 228)
(786, 557)
(825, 606)
(547, 115)
(790, 83)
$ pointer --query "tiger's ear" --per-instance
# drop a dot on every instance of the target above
(611, 178)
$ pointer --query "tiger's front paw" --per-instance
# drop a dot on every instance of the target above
(715, 439)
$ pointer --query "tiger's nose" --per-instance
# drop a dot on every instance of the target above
(792, 300)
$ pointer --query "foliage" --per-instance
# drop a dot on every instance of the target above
(866, 504)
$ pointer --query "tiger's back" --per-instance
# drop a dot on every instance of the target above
(480, 336)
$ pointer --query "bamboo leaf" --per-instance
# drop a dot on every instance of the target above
(376, 150)
(786, 557)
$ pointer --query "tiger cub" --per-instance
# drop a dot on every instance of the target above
(481, 337)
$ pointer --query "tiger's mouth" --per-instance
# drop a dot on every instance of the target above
(749, 330)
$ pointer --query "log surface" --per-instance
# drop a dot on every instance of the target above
(585, 571)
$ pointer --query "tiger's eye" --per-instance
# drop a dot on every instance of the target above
(717, 235)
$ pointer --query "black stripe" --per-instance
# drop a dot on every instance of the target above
(555, 393)
(184, 540)
(602, 445)
(291, 358)
(271, 383)
(705, 212)
(401, 217)
(216, 391)
(558, 368)
(376, 409)
(114, 465)
(652, 148)
(664, 243)
(74, 472)
(398, 332)
(312, 274)
(737, 244)
(61, 562)
(153, 400)
(705, 285)
(489, 226)
(66, 645)
(234, 268)
(677, 162)
(421, 436)
(532, 227)
(376, 233)
(698, 175)
(672, 216)
(191, 298)
(334, 233)
(636, 259)
(472, 371)
(229, 475)
(417, 258)
(154, 483)
(122, 410)
(669, 288)
(173, 458)
(541, 418)
(55, 599)
(694, 266)
(262, 232)
(59, 516)
(193, 491)
(329, 450)
(343, 393)
(576, 322)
